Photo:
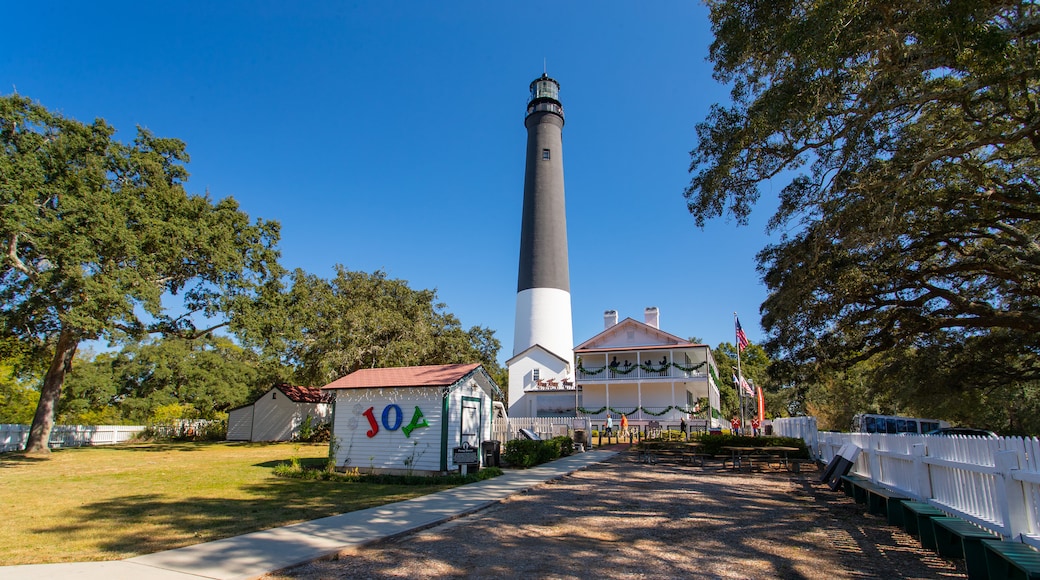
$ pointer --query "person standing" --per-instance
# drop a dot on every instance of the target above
(682, 427)
(624, 424)
(610, 426)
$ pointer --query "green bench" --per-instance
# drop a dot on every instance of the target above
(851, 484)
(956, 538)
(882, 501)
(879, 500)
(1011, 560)
(916, 521)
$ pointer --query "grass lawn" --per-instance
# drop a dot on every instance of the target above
(109, 503)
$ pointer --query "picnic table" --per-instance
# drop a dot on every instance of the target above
(782, 453)
(738, 454)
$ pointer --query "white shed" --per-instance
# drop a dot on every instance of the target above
(278, 414)
(410, 419)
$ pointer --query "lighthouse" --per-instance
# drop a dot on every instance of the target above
(543, 340)
(543, 292)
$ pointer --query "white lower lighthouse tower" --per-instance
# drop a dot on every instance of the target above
(543, 339)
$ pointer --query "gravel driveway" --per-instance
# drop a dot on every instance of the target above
(625, 519)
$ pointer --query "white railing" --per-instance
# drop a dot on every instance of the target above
(545, 427)
(992, 482)
(636, 372)
(13, 437)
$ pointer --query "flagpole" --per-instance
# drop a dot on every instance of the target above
(740, 376)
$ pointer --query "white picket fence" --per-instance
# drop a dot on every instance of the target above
(545, 427)
(13, 437)
(993, 482)
(801, 427)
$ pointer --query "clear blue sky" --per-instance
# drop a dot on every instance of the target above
(389, 135)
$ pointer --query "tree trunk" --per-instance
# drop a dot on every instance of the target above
(43, 421)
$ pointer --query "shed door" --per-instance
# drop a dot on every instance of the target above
(470, 432)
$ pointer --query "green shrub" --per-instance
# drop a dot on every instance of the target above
(315, 471)
(527, 453)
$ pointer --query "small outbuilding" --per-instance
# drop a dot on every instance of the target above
(278, 414)
(410, 420)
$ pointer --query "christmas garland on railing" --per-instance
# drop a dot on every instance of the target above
(686, 410)
(646, 366)
(689, 369)
(582, 369)
(620, 371)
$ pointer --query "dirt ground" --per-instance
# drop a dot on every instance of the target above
(625, 519)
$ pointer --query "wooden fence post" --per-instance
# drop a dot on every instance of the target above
(921, 472)
(874, 459)
(1011, 495)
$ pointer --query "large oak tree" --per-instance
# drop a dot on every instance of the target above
(96, 234)
(324, 329)
(906, 135)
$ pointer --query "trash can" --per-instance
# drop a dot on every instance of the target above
(492, 453)
(579, 437)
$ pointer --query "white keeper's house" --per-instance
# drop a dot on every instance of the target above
(631, 368)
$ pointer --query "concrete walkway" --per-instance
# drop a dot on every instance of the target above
(258, 553)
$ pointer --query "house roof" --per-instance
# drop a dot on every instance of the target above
(300, 394)
(420, 376)
(296, 394)
(532, 348)
(668, 340)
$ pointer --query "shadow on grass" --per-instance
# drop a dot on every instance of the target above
(308, 462)
(16, 458)
(147, 523)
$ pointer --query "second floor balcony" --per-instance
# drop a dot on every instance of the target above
(642, 372)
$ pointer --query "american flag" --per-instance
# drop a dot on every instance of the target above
(743, 384)
(742, 341)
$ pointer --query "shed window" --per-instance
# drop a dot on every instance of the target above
(545, 154)
(274, 395)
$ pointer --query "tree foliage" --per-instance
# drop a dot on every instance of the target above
(325, 329)
(907, 135)
(754, 365)
(95, 233)
(204, 377)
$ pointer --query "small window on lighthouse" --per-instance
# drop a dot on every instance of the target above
(545, 153)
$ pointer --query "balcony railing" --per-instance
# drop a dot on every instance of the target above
(550, 385)
(633, 373)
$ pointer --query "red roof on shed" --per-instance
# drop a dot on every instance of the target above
(421, 376)
(299, 394)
